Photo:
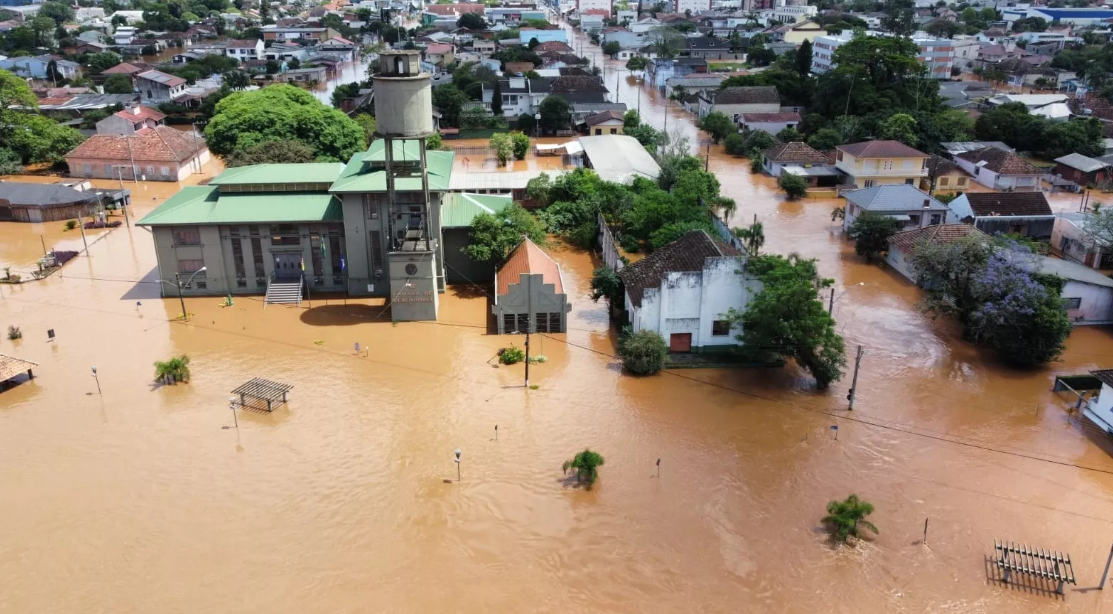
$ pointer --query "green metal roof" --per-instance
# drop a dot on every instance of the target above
(458, 209)
(205, 205)
(362, 175)
(280, 173)
(404, 151)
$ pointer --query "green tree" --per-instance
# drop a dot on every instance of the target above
(752, 236)
(667, 42)
(645, 134)
(636, 63)
(946, 271)
(434, 142)
(527, 123)
(803, 59)
(472, 21)
(556, 114)
(496, 99)
(272, 152)
(10, 163)
(632, 119)
(493, 236)
(100, 62)
(42, 27)
(643, 352)
(521, 145)
(870, 232)
(282, 113)
(14, 91)
(237, 79)
(845, 518)
(37, 138)
(60, 12)
(718, 126)
(449, 100)
(788, 318)
(503, 146)
(900, 127)
(735, 145)
(606, 284)
(585, 465)
(793, 185)
(612, 49)
(118, 84)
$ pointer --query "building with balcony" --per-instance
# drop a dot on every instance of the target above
(881, 163)
(937, 54)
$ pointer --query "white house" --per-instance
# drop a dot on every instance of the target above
(1100, 409)
(682, 290)
(1087, 294)
(156, 87)
(1015, 213)
(770, 122)
(244, 50)
(1070, 238)
(901, 244)
(37, 67)
(1000, 170)
(124, 35)
(908, 205)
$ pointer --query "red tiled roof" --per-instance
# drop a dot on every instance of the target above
(605, 116)
(527, 258)
(123, 68)
(438, 48)
(795, 152)
(159, 144)
(770, 117)
(936, 233)
(1000, 162)
(144, 113)
(603, 12)
(881, 149)
(553, 46)
(242, 44)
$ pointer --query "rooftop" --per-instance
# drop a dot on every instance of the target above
(243, 44)
(325, 172)
(881, 149)
(1000, 162)
(365, 172)
(42, 194)
(1073, 271)
(605, 116)
(162, 78)
(770, 117)
(688, 253)
(800, 153)
(459, 209)
(619, 153)
(158, 144)
(984, 204)
(761, 94)
(528, 259)
(936, 233)
(900, 197)
(140, 113)
(11, 366)
(1083, 163)
(206, 205)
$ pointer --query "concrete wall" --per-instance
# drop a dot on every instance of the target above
(459, 269)
(100, 168)
(1096, 305)
(530, 295)
(901, 263)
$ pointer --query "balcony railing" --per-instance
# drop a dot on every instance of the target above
(880, 171)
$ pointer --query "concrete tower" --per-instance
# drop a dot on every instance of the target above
(404, 119)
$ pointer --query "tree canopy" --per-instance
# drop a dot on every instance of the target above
(282, 113)
(272, 152)
(493, 236)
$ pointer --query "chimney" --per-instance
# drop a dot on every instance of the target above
(927, 203)
(135, 108)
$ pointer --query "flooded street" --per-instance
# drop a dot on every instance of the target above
(136, 499)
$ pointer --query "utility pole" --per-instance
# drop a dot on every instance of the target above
(81, 225)
(617, 74)
(831, 303)
(854, 382)
(1105, 575)
(529, 320)
(707, 158)
(123, 198)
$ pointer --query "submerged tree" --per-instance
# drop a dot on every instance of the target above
(846, 518)
(174, 370)
(585, 465)
(870, 232)
(643, 352)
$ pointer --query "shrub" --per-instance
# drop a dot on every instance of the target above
(71, 224)
(735, 145)
(794, 186)
(521, 145)
(643, 352)
(630, 244)
(846, 518)
(174, 370)
(757, 163)
(585, 465)
(14, 332)
(511, 355)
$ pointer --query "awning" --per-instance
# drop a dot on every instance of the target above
(900, 217)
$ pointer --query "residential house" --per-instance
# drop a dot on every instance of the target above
(911, 207)
(448, 14)
(994, 36)
(802, 160)
(965, 52)
(1070, 240)
(660, 70)
(525, 35)
(273, 32)
(36, 67)
(36, 202)
(156, 87)
(797, 33)
(591, 23)
(645, 24)
(1015, 213)
(735, 101)
(124, 35)
(582, 110)
(519, 95)
(881, 163)
(944, 176)
(628, 42)
(1083, 170)
(695, 7)
(160, 153)
(244, 50)
(483, 46)
(693, 84)
(529, 293)
(769, 122)
(953, 148)
(440, 55)
(1087, 294)
(1000, 170)
(579, 88)
(902, 244)
(1099, 409)
(607, 122)
(795, 13)
(91, 47)
(309, 74)
(709, 48)
(682, 290)
(130, 120)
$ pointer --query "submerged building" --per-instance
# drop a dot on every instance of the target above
(371, 227)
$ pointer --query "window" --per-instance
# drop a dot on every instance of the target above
(190, 266)
(936, 218)
(88, 169)
(542, 322)
(522, 325)
(909, 181)
(961, 182)
(554, 323)
(150, 171)
(508, 320)
(868, 183)
(285, 235)
(720, 328)
(1072, 303)
(237, 259)
(944, 181)
(376, 253)
(187, 236)
(887, 165)
(108, 170)
(165, 171)
(914, 220)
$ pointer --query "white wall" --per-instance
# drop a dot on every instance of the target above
(900, 263)
(1097, 302)
(1103, 406)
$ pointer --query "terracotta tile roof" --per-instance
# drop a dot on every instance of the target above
(123, 68)
(158, 144)
(881, 149)
(937, 233)
(242, 44)
(529, 259)
(761, 94)
(553, 46)
(11, 367)
(143, 113)
(447, 10)
(986, 204)
(161, 78)
(1000, 162)
(770, 117)
(438, 48)
(688, 253)
(938, 165)
(573, 84)
(605, 116)
(795, 152)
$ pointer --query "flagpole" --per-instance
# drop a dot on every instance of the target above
(308, 296)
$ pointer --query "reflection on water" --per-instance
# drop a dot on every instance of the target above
(136, 500)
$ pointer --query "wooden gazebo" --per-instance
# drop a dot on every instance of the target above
(11, 367)
(273, 393)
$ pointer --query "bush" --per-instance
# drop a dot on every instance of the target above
(583, 235)
(71, 224)
(630, 244)
(173, 371)
(735, 145)
(14, 332)
(643, 352)
(521, 145)
(757, 163)
(794, 186)
(511, 355)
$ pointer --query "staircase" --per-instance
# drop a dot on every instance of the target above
(283, 293)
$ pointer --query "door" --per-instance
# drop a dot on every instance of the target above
(287, 265)
(680, 342)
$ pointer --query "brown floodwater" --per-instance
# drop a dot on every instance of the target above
(136, 499)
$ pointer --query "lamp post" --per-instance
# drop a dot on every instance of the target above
(178, 282)
(458, 464)
(96, 378)
(236, 420)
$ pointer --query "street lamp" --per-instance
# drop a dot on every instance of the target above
(232, 406)
(178, 282)
(458, 464)
(96, 378)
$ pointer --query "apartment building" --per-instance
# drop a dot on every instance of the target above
(937, 54)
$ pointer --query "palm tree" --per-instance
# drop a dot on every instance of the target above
(174, 370)
(586, 465)
(752, 237)
(846, 517)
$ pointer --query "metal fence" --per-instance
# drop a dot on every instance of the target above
(471, 150)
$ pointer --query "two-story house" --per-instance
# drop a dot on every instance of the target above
(881, 163)
(156, 87)
(244, 50)
(734, 102)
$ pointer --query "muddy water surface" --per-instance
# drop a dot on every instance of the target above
(136, 499)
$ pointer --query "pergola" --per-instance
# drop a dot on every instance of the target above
(11, 367)
(1040, 564)
(264, 390)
